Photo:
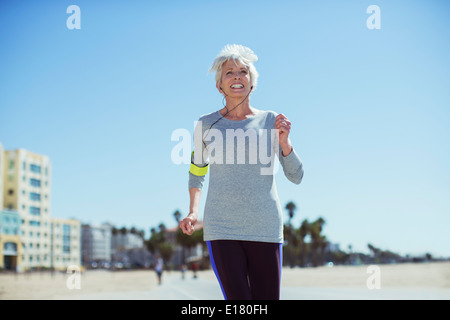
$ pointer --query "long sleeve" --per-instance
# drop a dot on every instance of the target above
(292, 166)
(199, 165)
(242, 201)
(196, 181)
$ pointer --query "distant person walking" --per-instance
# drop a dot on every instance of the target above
(243, 221)
(183, 271)
(159, 267)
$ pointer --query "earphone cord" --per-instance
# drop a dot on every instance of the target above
(228, 111)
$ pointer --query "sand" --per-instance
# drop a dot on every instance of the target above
(45, 286)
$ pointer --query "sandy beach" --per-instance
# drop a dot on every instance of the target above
(45, 286)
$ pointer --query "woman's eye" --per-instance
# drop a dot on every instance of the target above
(244, 71)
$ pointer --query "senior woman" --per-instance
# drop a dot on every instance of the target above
(243, 225)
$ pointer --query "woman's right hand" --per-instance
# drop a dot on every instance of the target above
(187, 224)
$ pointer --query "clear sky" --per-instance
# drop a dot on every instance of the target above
(370, 108)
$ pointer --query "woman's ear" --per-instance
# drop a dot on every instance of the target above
(220, 88)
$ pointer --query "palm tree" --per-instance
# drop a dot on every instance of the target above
(177, 216)
(303, 231)
(318, 241)
(188, 242)
(290, 236)
(157, 238)
(290, 207)
(165, 249)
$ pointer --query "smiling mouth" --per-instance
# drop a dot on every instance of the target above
(237, 86)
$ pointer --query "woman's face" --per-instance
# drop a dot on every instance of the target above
(235, 79)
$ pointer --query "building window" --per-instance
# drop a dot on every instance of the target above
(35, 196)
(35, 182)
(35, 168)
(66, 238)
(35, 211)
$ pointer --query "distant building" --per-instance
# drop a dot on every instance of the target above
(128, 250)
(2, 169)
(123, 239)
(25, 193)
(332, 247)
(66, 243)
(26, 189)
(10, 244)
(96, 243)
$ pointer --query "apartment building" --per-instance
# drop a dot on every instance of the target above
(96, 243)
(10, 244)
(2, 169)
(42, 241)
(123, 239)
(26, 189)
(65, 243)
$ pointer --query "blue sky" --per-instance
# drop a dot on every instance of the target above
(370, 108)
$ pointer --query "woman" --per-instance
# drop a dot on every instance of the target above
(243, 224)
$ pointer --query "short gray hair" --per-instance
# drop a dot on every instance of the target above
(238, 53)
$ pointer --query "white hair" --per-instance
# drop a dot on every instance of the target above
(238, 53)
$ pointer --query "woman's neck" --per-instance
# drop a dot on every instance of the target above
(237, 113)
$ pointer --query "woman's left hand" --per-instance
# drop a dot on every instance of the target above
(284, 127)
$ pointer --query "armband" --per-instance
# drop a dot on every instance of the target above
(196, 170)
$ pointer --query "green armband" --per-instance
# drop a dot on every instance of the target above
(196, 170)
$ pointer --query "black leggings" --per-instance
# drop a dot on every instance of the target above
(247, 269)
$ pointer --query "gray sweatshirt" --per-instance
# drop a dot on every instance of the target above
(242, 201)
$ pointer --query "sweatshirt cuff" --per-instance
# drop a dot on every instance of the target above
(292, 167)
(196, 181)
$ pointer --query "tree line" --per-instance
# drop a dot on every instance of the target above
(304, 245)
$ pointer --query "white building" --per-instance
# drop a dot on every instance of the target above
(126, 240)
(26, 189)
(96, 243)
(66, 243)
(43, 241)
(2, 170)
